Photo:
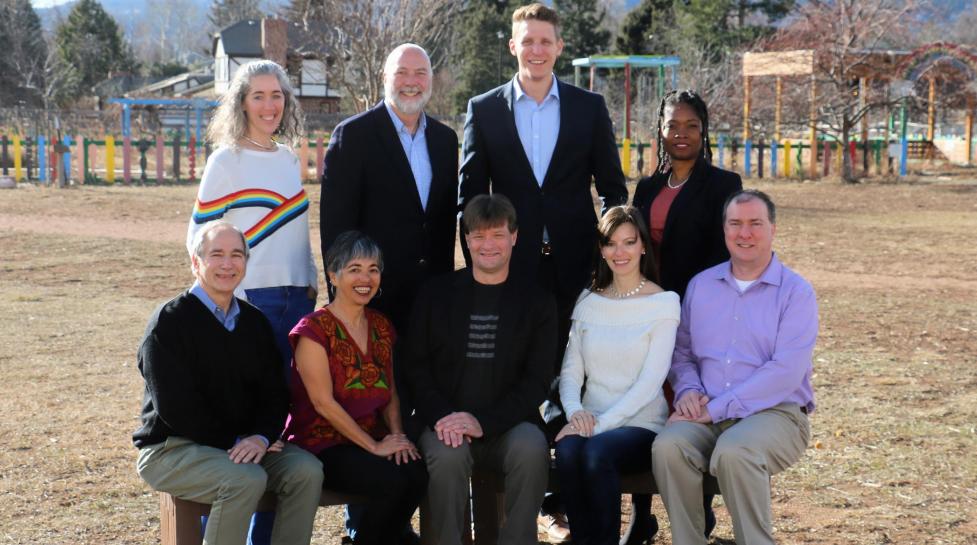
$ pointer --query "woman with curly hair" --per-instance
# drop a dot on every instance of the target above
(345, 408)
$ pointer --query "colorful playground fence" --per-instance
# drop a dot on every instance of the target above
(109, 159)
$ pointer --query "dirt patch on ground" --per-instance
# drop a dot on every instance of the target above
(892, 457)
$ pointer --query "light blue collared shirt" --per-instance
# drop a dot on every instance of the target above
(415, 147)
(538, 126)
(228, 320)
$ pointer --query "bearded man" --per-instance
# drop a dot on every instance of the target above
(392, 172)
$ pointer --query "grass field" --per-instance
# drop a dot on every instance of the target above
(893, 458)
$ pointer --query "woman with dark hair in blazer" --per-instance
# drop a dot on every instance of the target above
(683, 205)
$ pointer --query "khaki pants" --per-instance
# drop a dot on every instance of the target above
(741, 456)
(521, 455)
(195, 472)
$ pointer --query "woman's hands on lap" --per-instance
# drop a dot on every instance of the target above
(581, 423)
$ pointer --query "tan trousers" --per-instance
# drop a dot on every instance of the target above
(195, 472)
(741, 456)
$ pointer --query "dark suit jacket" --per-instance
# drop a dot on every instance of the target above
(693, 239)
(525, 349)
(367, 185)
(492, 154)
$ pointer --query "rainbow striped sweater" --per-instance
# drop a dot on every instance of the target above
(261, 193)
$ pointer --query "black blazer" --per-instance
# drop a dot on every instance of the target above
(525, 349)
(693, 239)
(367, 185)
(492, 154)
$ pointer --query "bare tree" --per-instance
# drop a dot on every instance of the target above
(358, 35)
(170, 31)
(852, 41)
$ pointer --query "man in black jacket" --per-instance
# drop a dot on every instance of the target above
(391, 173)
(479, 362)
(215, 403)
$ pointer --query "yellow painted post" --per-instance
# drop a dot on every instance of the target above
(787, 158)
(18, 168)
(626, 157)
(110, 159)
(304, 159)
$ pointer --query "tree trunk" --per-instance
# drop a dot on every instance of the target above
(847, 169)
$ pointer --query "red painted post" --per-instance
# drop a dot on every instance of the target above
(55, 159)
(159, 158)
(826, 158)
(320, 157)
(192, 157)
(853, 153)
(126, 159)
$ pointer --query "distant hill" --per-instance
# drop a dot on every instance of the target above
(128, 12)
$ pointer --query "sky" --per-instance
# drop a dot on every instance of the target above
(47, 3)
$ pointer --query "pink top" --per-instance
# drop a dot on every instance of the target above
(657, 216)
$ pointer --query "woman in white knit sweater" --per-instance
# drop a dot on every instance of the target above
(617, 359)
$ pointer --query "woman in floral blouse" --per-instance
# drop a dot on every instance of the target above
(344, 404)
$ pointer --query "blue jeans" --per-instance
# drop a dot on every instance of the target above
(284, 306)
(590, 469)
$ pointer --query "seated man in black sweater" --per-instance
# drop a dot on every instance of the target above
(216, 402)
(479, 363)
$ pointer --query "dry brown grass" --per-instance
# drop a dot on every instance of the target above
(893, 454)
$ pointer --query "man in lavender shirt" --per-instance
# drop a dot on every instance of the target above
(741, 372)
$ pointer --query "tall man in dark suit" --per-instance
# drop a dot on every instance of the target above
(391, 172)
(541, 142)
(478, 361)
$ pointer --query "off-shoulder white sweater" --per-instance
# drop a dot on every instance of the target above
(621, 349)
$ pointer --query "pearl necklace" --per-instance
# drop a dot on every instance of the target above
(680, 184)
(628, 293)
(272, 147)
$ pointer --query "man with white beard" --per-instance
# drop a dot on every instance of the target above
(392, 172)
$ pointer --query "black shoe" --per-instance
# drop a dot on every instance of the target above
(641, 530)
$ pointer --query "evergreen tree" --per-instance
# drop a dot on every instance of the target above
(25, 52)
(90, 41)
(582, 32)
(228, 12)
(645, 29)
(483, 59)
(721, 26)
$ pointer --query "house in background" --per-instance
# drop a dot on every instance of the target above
(281, 41)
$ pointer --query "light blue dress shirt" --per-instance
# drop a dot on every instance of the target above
(415, 147)
(538, 126)
(228, 320)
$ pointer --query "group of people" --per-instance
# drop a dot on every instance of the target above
(665, 335)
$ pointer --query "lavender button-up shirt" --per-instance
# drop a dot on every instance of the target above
(746, 351)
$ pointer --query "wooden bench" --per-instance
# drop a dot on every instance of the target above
(180, 519)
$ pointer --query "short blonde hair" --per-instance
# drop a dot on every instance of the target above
(536, 12)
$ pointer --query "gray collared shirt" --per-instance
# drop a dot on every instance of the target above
(415, 148)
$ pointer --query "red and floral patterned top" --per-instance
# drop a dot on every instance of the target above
(360, 379)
